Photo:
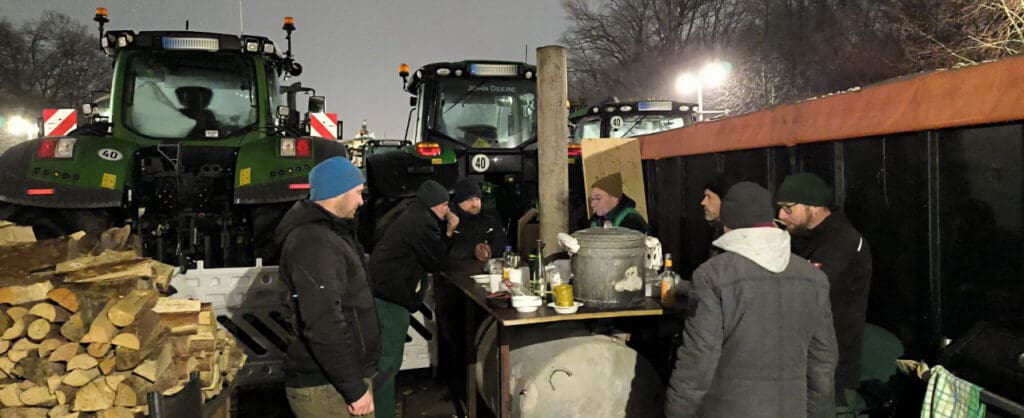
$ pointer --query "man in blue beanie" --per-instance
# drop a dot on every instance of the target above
(411, 247)
(330, 364)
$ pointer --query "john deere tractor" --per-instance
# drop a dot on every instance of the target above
(197, 151)
(473, 119)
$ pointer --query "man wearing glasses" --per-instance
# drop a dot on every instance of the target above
(828, 240)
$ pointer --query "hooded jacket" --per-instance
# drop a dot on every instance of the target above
(473, 230)
(632, 220)
(759, 341)
(410, 248)
(338, 337)
(845, 257)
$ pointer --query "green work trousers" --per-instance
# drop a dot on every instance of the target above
(394, 324)
(319, 401)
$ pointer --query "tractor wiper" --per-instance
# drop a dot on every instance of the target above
(465, 96)
(626, 135)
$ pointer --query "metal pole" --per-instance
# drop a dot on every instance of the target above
(552, 134)
(700, 102)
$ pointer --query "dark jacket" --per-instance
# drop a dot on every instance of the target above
(843, 254)
(334, 316)
(759, 341)
(473, 230)
(633, 220)
(410, 248)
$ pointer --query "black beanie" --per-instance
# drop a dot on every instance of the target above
(432, 193)
(720, 185)
(466, 189)
(804, 188)
(747, 205)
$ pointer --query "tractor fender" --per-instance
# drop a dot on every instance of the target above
(262, 177)
(94, 177)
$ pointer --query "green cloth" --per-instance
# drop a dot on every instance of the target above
(951, 397)
(394, 324)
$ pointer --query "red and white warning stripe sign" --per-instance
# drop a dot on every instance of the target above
(323, 125)
(58, 122)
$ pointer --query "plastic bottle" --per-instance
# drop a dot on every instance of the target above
(507, 256)
(669, 283)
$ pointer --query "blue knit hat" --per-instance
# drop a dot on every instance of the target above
(332, 177)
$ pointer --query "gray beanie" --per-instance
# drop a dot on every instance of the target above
(432, 193)
(747, 205)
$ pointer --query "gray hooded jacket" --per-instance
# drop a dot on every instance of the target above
(759, 342)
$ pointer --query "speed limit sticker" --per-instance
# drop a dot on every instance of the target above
(480, 163)
(616, 122)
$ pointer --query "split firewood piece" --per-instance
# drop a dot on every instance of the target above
(123, 312)
(126, 396)
(19, 261)
(38, 396)
(24, 412)
(150, 333)
(81, 377)
(60, 411)
(14, 235)
(37, 370)
(105, 258)
(94, 396)
(4, 345)
(107, 365)
(17, 311)
(101, 330)
(167, 305)
(126, 340)
(16, 355)
(151, 369)
(47, 346)
(64, 297)
(53, 383)
(18, 295)
(65, 352)
(82, 361)
(113, 271)
(10, 395)
(6, 364)
(24, 344)
(50, 312)
(74, 329)
(116, 412)
(162, 274)
(5, 321)
(114, 239)
(98, 350)
(115, 379)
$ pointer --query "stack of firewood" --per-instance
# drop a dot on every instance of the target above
(85, 328)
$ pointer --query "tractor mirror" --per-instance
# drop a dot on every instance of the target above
(317, 104)
(413, 101)
(87, 110)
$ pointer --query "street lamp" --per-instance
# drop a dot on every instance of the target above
(20, 127)
(712, 75)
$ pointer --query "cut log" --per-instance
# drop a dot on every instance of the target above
(82, 361)
(101, 330)
(95, 396)
(50, 312)
(37, 370)
(59, 411)
(151, 334)
(17, 311)
(114, 239)
(98, 350)
(18, 295)
(116, 412)
(123, 312)
(65, 298)
(16, 355)
(10, 395)
(38, 329)
(105, 258)
(16, 330)
(126, 340)
(48, 345)
(17, 262)
(151, 369)
(5, 321)
(53, 383)
(23, 412)
(81, 377)
(170, 305)
(15, 235)
(4, 345)
(38, 396)
(24, 344)
(65, 352)
(162, 274)
(6, 364)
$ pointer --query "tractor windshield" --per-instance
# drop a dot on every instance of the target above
(642, 124)
(487, 112)
(190, 94)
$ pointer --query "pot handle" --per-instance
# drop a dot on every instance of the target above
(570, 244)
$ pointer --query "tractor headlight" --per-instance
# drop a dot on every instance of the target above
(287, 148)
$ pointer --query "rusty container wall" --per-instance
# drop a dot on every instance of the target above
(608, 269)
(560, 370)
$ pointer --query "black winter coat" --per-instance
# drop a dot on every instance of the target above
(632, 221)
(333, 311)
(473, 230)
(410, 248)
(845, 257)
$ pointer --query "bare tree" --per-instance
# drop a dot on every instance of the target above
(945, 33)
(50, 62)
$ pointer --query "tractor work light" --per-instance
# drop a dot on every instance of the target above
(269, 48)
(625, 108)
(122, 41)
(252, 45)
(528, 75)
(659, 106)
(684, 108)
(428, 149)
(65, 148)
(444, 72)
(493, 70)
(287, 147)
(191, 43)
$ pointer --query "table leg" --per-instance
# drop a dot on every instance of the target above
(505, 361)
(470, 397)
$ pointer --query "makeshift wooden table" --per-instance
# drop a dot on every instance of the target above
(509, 317)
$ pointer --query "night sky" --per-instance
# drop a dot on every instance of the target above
(350, 50)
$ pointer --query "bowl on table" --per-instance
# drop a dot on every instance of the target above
(566, 309)
(526, 303)
(483, 278)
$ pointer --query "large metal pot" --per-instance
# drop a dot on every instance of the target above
(609, 267)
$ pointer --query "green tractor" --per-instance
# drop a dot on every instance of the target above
(196, 152)
(614, 119)
(474, 119)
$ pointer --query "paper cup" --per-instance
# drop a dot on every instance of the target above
(495, 283)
